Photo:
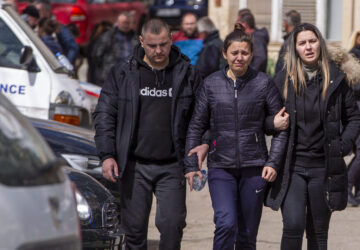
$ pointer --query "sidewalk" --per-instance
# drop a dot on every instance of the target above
(198, 235)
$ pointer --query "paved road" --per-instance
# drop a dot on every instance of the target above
(344, 228)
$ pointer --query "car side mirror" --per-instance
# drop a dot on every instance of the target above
(26, 56)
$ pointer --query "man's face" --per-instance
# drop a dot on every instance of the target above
(124, 23)
(32, 21)
(43, 11)
(157, 46)
(286, 26)
(188, 25)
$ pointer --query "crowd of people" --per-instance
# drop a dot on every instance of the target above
(168, 101)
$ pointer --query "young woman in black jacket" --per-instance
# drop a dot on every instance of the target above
(233, 104)
(324, 123)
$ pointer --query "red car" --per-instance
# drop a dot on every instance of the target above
(85, 14)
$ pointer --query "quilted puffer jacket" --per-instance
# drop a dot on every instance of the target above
(235, 113)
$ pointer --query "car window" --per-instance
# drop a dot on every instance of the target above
(36, 41)
(25, 158)
(10, 47)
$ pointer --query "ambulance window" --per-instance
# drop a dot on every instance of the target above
(10, 48)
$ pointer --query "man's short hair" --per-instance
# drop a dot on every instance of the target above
(205, 24)
(188, 14)
(46, 4)
(155, 26)
(249, 19)
(293, 17)
(244, 11)
(125, 13)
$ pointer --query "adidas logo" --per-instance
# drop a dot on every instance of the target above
(156, 92)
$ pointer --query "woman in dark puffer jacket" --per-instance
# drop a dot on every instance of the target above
(233, 104)
(324, 123)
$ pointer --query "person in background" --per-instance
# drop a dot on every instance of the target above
(233, 103)
(291, 20)
(141, 121)
(46, 30)
(210, 58)
(115, 45)
(63, 35)
(354, 166)
(96, 33)
(355, 44)
(324, 124)
(31, 16)
(187, 39)
(260, 38)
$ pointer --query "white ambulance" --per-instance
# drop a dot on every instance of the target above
(33, 79)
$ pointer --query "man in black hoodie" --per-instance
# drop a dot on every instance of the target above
(141, 122)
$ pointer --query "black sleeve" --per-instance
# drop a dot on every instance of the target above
(105, 116)
(280, 139)
(198, 125)
(350, 118)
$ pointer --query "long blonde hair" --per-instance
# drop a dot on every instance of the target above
(352, 40)
(295, 67)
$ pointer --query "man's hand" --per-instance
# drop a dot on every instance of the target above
(201, 152)
(109, 167)
(269, 174)
(281, 120)
(190, 176)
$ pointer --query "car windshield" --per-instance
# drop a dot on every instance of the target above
(48, 55)
(24, 155)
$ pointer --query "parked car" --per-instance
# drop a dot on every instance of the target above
(76, 145)
(172, 11)
(33, 79)
(98, 213)
(85, 14)
(38, 209)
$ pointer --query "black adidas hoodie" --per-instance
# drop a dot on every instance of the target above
(153, 140)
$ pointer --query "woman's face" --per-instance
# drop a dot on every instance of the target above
(238, 56)
(308, 47)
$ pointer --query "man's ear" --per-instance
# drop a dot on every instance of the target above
(141, 39)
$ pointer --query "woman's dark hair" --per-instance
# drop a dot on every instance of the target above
(48, 25)
(238, 35)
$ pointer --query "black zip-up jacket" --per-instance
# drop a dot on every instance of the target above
(210, 58)
(235, 114)
(115, 116)
(341, 125)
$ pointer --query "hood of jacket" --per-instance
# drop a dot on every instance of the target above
(347, 62)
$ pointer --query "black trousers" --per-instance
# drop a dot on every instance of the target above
(305, 207)
(139, 183)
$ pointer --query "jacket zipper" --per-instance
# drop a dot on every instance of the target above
(236, 127)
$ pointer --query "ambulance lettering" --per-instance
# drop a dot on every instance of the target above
(12, 89)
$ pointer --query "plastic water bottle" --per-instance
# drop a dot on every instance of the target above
(64, 61)
(197, 183)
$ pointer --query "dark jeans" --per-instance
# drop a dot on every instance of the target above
(305, 207)
(138, 185)
(237, 199)
(354, 166)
